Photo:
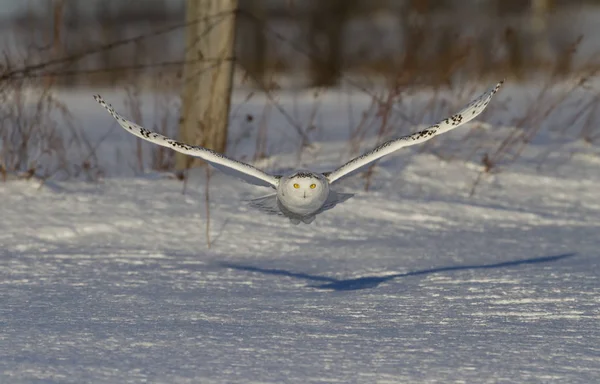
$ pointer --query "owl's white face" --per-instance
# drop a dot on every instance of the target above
(303, 193)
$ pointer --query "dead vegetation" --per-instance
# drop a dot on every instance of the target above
(40, 137)
(37, 135)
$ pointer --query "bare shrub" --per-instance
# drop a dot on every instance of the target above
(38, 136)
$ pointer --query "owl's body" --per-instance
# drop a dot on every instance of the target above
(302, 195)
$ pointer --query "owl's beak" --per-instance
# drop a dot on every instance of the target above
(305, 194)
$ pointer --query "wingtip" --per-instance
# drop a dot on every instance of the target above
(498, 85)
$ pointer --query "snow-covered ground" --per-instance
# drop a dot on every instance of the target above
(413, 281)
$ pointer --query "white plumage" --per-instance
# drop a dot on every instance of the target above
(302, 195)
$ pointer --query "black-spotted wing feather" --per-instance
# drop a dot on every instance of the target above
(223, 163)
(468, 113)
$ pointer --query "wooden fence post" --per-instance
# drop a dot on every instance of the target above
(207, 76)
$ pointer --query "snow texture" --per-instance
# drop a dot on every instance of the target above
(413, 281)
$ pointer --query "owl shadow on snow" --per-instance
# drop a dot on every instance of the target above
(330, 283)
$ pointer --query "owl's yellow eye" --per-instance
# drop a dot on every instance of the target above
(313, 186)
(296, 185)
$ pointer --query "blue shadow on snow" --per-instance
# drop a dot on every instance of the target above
(331, 283)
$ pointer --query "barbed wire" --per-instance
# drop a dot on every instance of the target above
(78, 72)
(32, 71)
(340, 73)
(69, 59)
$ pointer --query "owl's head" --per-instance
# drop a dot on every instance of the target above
(305, 185)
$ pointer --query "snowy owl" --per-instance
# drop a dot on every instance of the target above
(302, 195)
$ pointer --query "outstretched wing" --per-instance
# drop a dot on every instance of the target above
(334, 199)
(468, 113)
(228, 166)
(267, 204)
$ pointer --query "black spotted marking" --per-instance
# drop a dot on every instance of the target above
(144, 132)
(179, 144)
(304, 175)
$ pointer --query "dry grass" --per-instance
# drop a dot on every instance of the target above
(40, 139)
(37, 134)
